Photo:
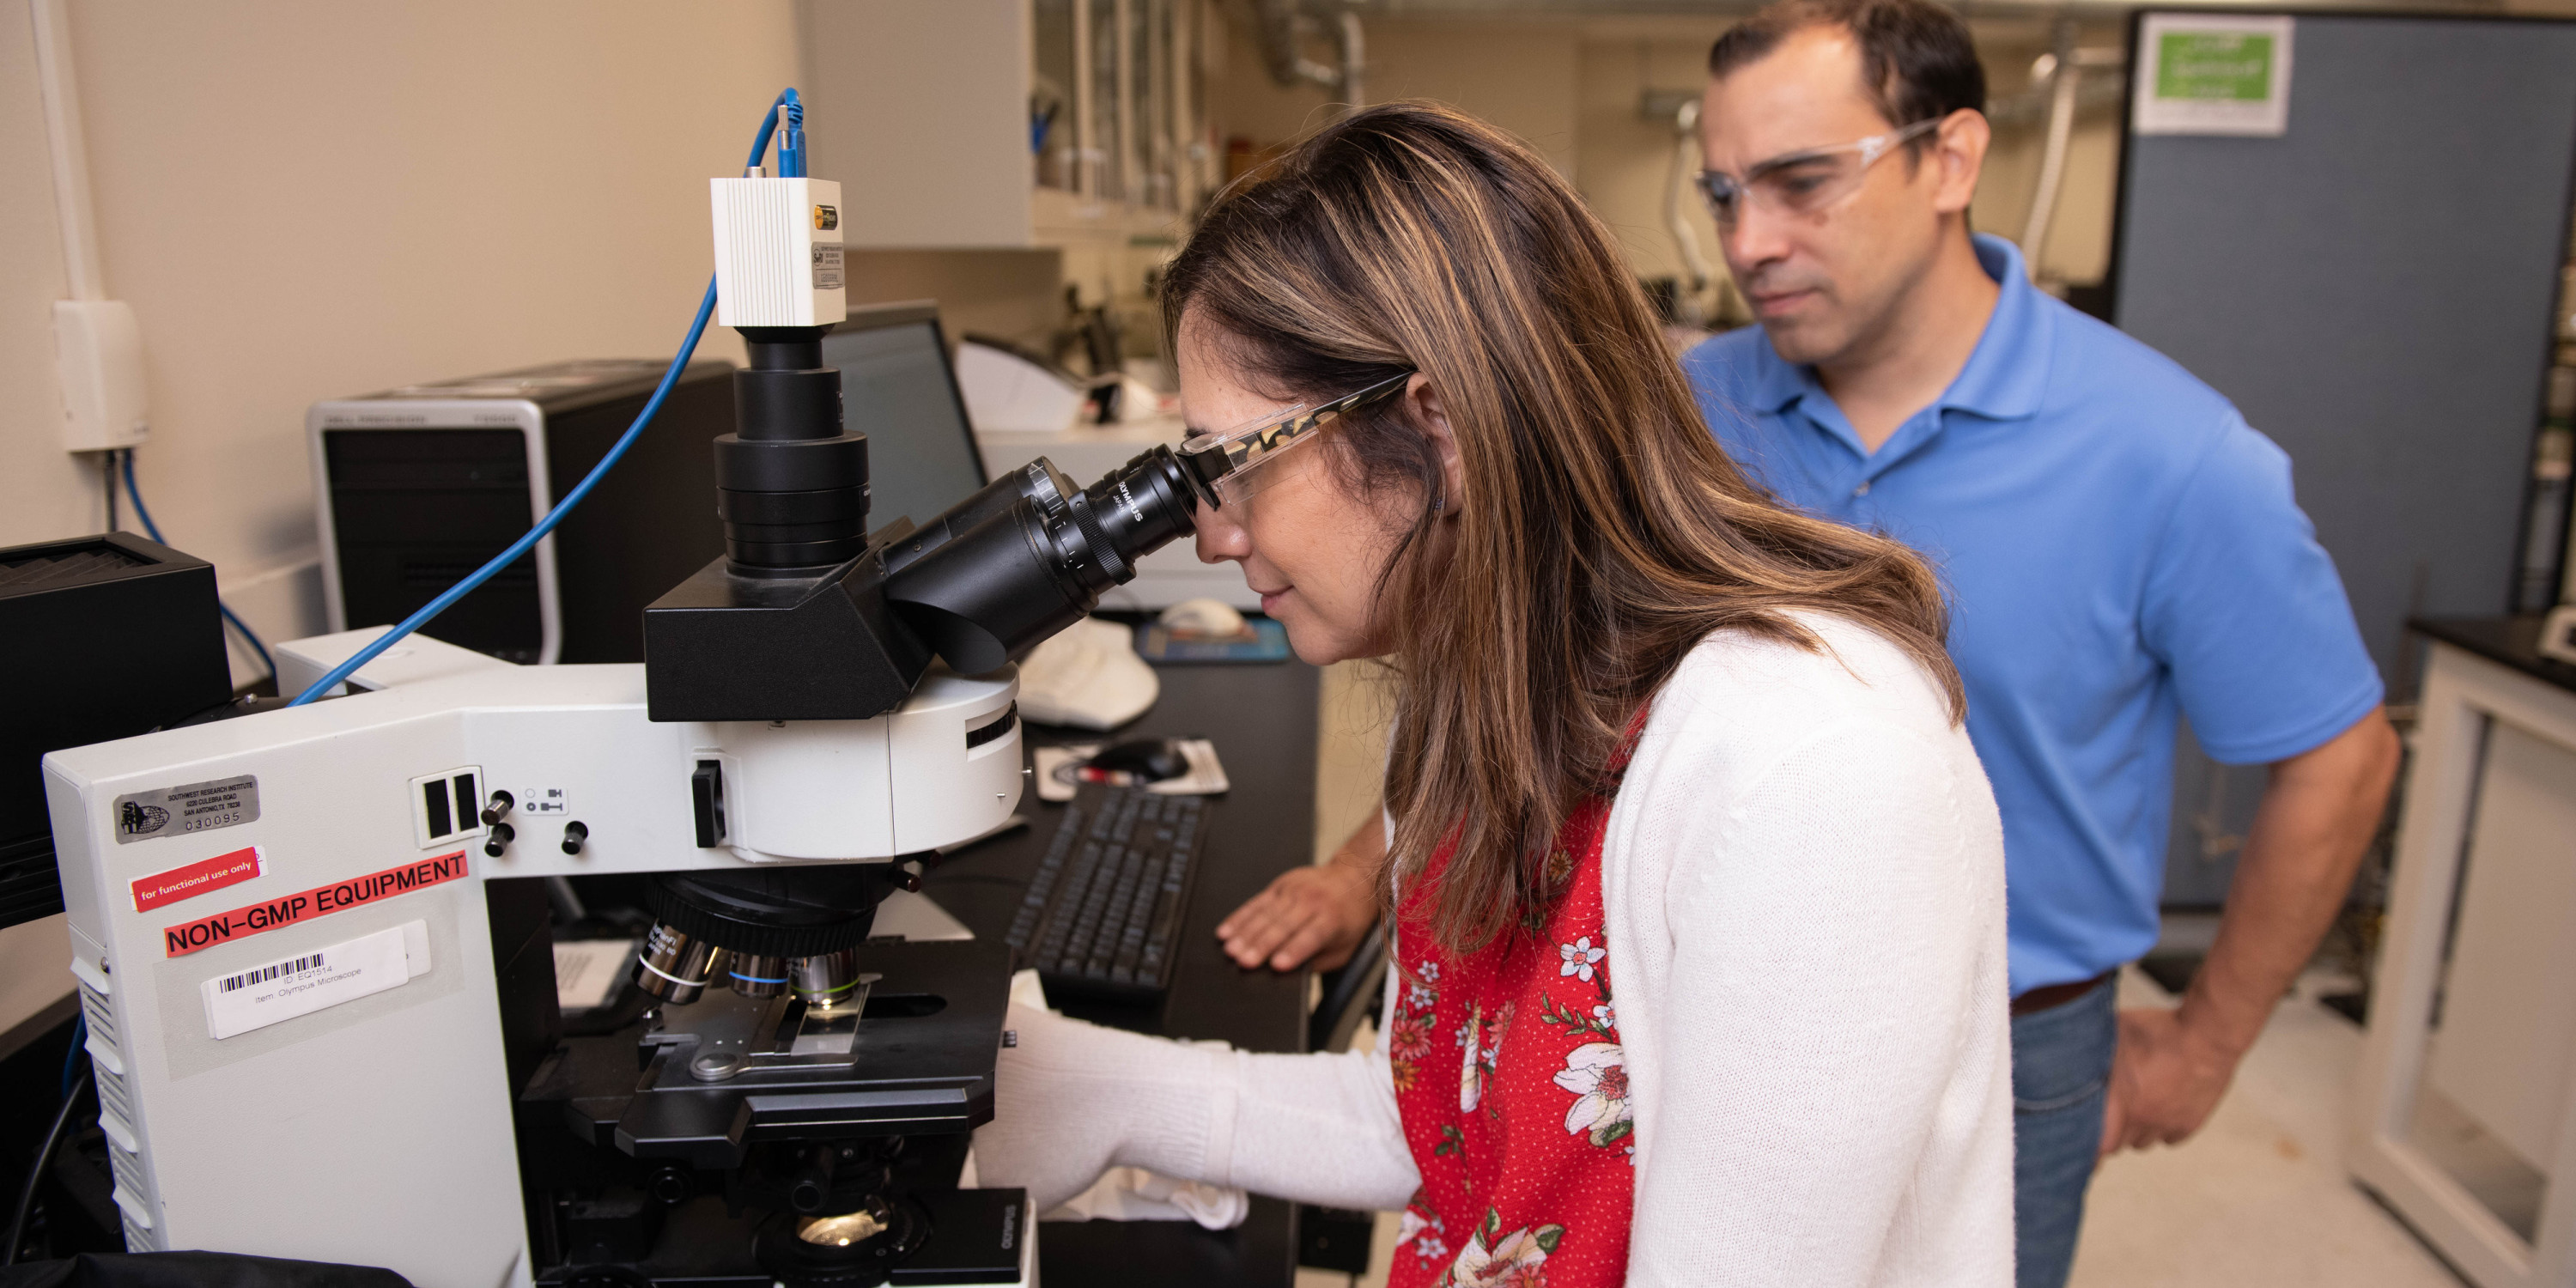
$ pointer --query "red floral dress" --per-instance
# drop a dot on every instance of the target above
(1512, 1085)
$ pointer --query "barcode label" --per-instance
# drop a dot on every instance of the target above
(312, 981)
(267, 973)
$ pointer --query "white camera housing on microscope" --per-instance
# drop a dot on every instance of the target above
(778, 252)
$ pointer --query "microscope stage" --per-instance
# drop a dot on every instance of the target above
(922, 1064)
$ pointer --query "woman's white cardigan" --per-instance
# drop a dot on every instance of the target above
(1804, 893)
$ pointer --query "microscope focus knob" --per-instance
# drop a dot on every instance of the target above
(674, 1185)
(498, 808)
(809, 1186)
(574, 834)
(499, 839)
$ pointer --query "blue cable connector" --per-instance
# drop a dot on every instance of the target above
(791, 141)
(791, 146)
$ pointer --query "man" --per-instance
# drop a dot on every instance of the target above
(2119, 544)
(2121, 548)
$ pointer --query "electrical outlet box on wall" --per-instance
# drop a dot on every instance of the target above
(98, 349)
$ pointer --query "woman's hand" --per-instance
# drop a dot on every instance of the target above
(1311, 916)
(1072, 1100)
(1041, 1139)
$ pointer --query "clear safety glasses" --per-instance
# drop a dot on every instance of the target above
(1803, 183)
(1235, 463)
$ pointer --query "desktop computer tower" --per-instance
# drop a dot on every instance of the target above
(417, 487)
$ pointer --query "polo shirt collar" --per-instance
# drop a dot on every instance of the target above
(2006, 375)
(1777, 382)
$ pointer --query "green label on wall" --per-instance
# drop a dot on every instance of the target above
(2223, 66)
(2214, 73)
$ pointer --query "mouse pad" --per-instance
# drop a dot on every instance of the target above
(1155, 642)
(1058, 770)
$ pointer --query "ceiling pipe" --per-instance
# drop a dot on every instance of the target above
(1697, 272)
(74, 215)
(1354, 43)
(1281, 27)
(2064, 74)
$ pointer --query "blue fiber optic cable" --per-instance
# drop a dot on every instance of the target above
(791, 152)
(153, 530)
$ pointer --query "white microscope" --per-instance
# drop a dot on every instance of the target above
(313, 946)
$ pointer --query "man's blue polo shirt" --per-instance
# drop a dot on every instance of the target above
(2119, 546)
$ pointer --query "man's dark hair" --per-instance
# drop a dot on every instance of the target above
(1917, 63)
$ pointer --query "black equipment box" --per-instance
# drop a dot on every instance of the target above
(100, 638)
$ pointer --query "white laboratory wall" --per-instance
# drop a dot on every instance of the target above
(1624, 161)
(941, 92)
(1525, 79)
(1520, 75)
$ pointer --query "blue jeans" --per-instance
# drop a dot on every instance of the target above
(2061, 1077)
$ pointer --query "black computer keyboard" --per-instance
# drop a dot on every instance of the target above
(1109, 897)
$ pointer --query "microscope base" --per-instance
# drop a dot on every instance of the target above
(984, 1237)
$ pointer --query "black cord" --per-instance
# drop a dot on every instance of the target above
(36, 1172)
(109, 460)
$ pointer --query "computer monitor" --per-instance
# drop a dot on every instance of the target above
(897, 388)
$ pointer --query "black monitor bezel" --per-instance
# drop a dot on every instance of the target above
(877, 317)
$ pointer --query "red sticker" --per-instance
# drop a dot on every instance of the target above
(196, 878)
(286, 910)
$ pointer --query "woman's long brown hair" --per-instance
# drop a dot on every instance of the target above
(1604, 533)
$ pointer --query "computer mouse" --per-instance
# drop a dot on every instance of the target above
(1150, 760)
(1208, 617)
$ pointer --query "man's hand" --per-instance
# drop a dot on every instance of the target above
(2165, 1080)
(1313, 916)
(2316, 819)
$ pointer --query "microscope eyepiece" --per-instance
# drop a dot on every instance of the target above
(1031, 553)
(810, 616)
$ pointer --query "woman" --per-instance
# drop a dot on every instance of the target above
(1697, 887)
